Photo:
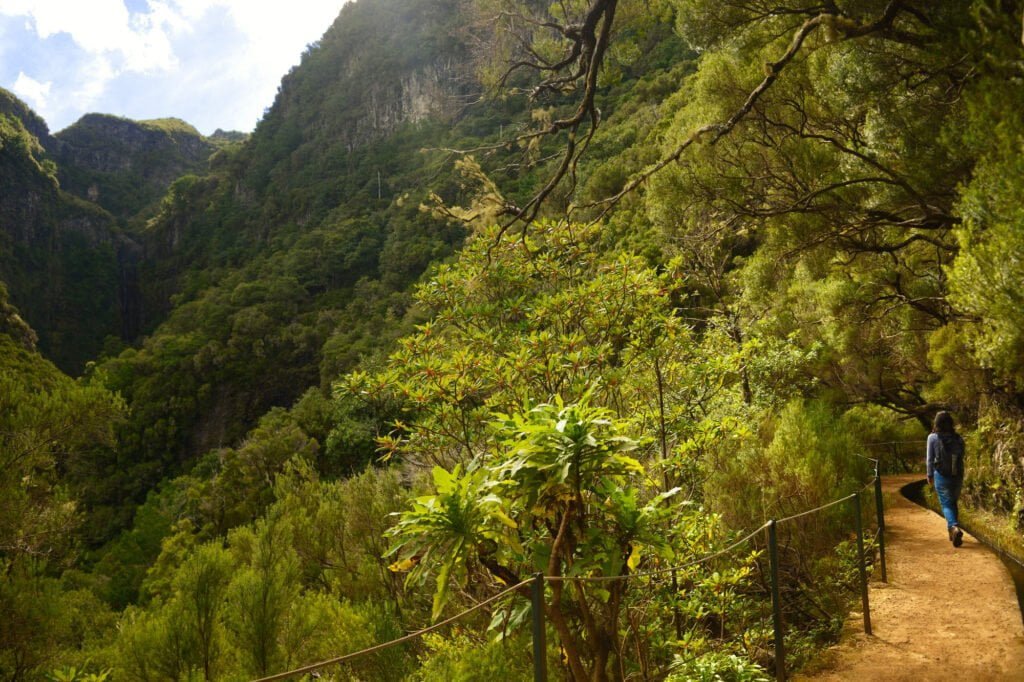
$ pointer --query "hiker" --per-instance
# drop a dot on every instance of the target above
(945, 466)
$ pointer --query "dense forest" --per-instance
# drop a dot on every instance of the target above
(588, 288)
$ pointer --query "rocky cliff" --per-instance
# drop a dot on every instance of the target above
(14, 108)
(65, 203)
(124, 165)
(58, 253)
(381, 66)
(96, 245)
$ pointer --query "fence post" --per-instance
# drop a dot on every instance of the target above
(860, 564)
(540, 647)
(880, 514)
(780, 644)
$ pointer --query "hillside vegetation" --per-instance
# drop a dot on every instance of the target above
(124, 165)
(66, 216)
(437, 325)
(58, 253)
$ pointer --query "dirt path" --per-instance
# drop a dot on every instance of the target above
(946, 614)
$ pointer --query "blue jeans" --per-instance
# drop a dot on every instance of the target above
(948, 490)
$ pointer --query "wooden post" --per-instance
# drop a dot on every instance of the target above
(880, 514)
(540, 647)
(860, 564)
(780, 643)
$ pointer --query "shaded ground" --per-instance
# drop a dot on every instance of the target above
(946, 614)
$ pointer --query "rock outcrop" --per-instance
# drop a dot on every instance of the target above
(123, 165)
(57, 252)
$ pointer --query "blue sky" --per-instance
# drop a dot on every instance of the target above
(213, 63)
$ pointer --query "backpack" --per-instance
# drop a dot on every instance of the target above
(949, 448)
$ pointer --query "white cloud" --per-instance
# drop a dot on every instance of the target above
(114, 40)
(102, 26)
(33, 91)
(275, 33)
(91, 81)
(166, 53)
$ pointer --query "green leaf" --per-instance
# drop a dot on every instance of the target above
(634, 557)
(443, 580)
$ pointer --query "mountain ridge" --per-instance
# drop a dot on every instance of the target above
(125, 165)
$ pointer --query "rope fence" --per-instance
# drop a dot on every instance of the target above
(901, 455)
(395, 642)
(662, 571)
(538, 580)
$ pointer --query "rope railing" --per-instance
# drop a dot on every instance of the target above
(660, 571)
(917, 441)
(537, 582)
(823, 507)
(395, 642)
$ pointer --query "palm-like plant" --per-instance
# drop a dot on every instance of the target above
(558, 493)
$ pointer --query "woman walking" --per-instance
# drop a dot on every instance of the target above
(945, 467)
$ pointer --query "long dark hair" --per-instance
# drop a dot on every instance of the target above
(943, 423)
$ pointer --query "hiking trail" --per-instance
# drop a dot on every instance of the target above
(945, 614)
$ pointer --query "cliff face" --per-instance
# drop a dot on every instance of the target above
(70, 267)
(279, 266)
(382, 65)
(124, 165)
(334, 137)
(101, 224)
(58, 254)
(14, 108)
(428, 91)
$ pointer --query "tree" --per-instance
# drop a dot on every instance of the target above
(201, 587)
(564, 48)
(49, 423)
(559, 494)
(556, 487)
(261, 593)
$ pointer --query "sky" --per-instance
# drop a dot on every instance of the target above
(213, 63)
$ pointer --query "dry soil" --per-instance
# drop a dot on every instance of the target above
(945, 614)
